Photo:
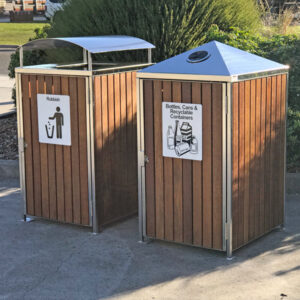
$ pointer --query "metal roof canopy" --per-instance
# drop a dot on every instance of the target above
(222, 63)
(90, 45)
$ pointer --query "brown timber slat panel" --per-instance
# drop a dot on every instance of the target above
(75, 149)
(187, 187)
(235, 163)
(257, 157)
(184, 199)
(207, 164)
(177, 179)
(247, 161)
(241, 162)
(262, 137)
(197, 180)
(168, 176)
(59, 165)
(115, 144)
(217, 165)
(44, 162)
(35, 148)
(28, 140)
(149, 150)
(67, 164)
(159, 192)
(84, 197)
(51, 163)
(262, 153)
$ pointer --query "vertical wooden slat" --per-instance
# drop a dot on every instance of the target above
(252, 162)
(84, 199)
(149, 151)
(207, 164)
(59, 165)
(278, 172)
(51, 162)
(235, 164)
(75, 150)
(36, 149)
(272, 153)
(44, 162)
(282, 148)
(177, 179)
(187, 188)
(257, 157)
(159, 192)
(168, 176)
(268, 157)
(197, 180)
(26, 99)
(241, 162)
(247, 161)
(67, 163)
(262, 152)
(217, 165)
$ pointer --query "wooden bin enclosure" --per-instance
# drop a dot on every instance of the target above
(236, 193)
(92, 181)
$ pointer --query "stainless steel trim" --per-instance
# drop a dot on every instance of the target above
(285, 149)
(21, 142)
(123, 67)
(141, 161)
(90, 61)
(21, 56)
(92, 154)
(229, 172)
(260, 74)
(52, 72)
(149, 55)
(224, 160)
(184, 77)
(88, 125)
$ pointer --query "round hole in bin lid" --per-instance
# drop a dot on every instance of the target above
(198, 56)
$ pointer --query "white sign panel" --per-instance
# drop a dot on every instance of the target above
(182, 130)
(54, 119)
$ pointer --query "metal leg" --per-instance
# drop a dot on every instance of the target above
(229, 251)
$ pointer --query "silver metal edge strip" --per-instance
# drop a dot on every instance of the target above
(224, 114)
(88, 122)
(285, 148)
(21, 141)
(229, 172)
(141, 161)
(52, 72)
(92, 154)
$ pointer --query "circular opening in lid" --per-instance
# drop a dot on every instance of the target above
(198, 56)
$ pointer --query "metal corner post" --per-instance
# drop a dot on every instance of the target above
(21, 142)
(21, 57)
(141, 160)
(285, 149)
(229, 173)
(224, 161)
(149, 55)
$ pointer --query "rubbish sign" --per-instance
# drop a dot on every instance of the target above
(182, 130)
(54, 119)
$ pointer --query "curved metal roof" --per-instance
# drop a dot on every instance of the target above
(93, 44)
(221, 60)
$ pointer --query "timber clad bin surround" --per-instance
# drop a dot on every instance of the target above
(91, 181)
(236, 193)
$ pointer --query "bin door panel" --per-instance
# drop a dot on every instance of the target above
(56, 176)
(184, 197)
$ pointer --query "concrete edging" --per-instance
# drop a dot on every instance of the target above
(9, 169)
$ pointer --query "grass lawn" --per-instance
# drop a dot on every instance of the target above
(17, 33)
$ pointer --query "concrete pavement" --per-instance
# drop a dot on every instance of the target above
(44, 260)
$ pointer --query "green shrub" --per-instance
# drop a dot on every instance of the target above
(281, 48)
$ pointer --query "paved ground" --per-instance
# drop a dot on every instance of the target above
(43, 260)
(6, 84)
